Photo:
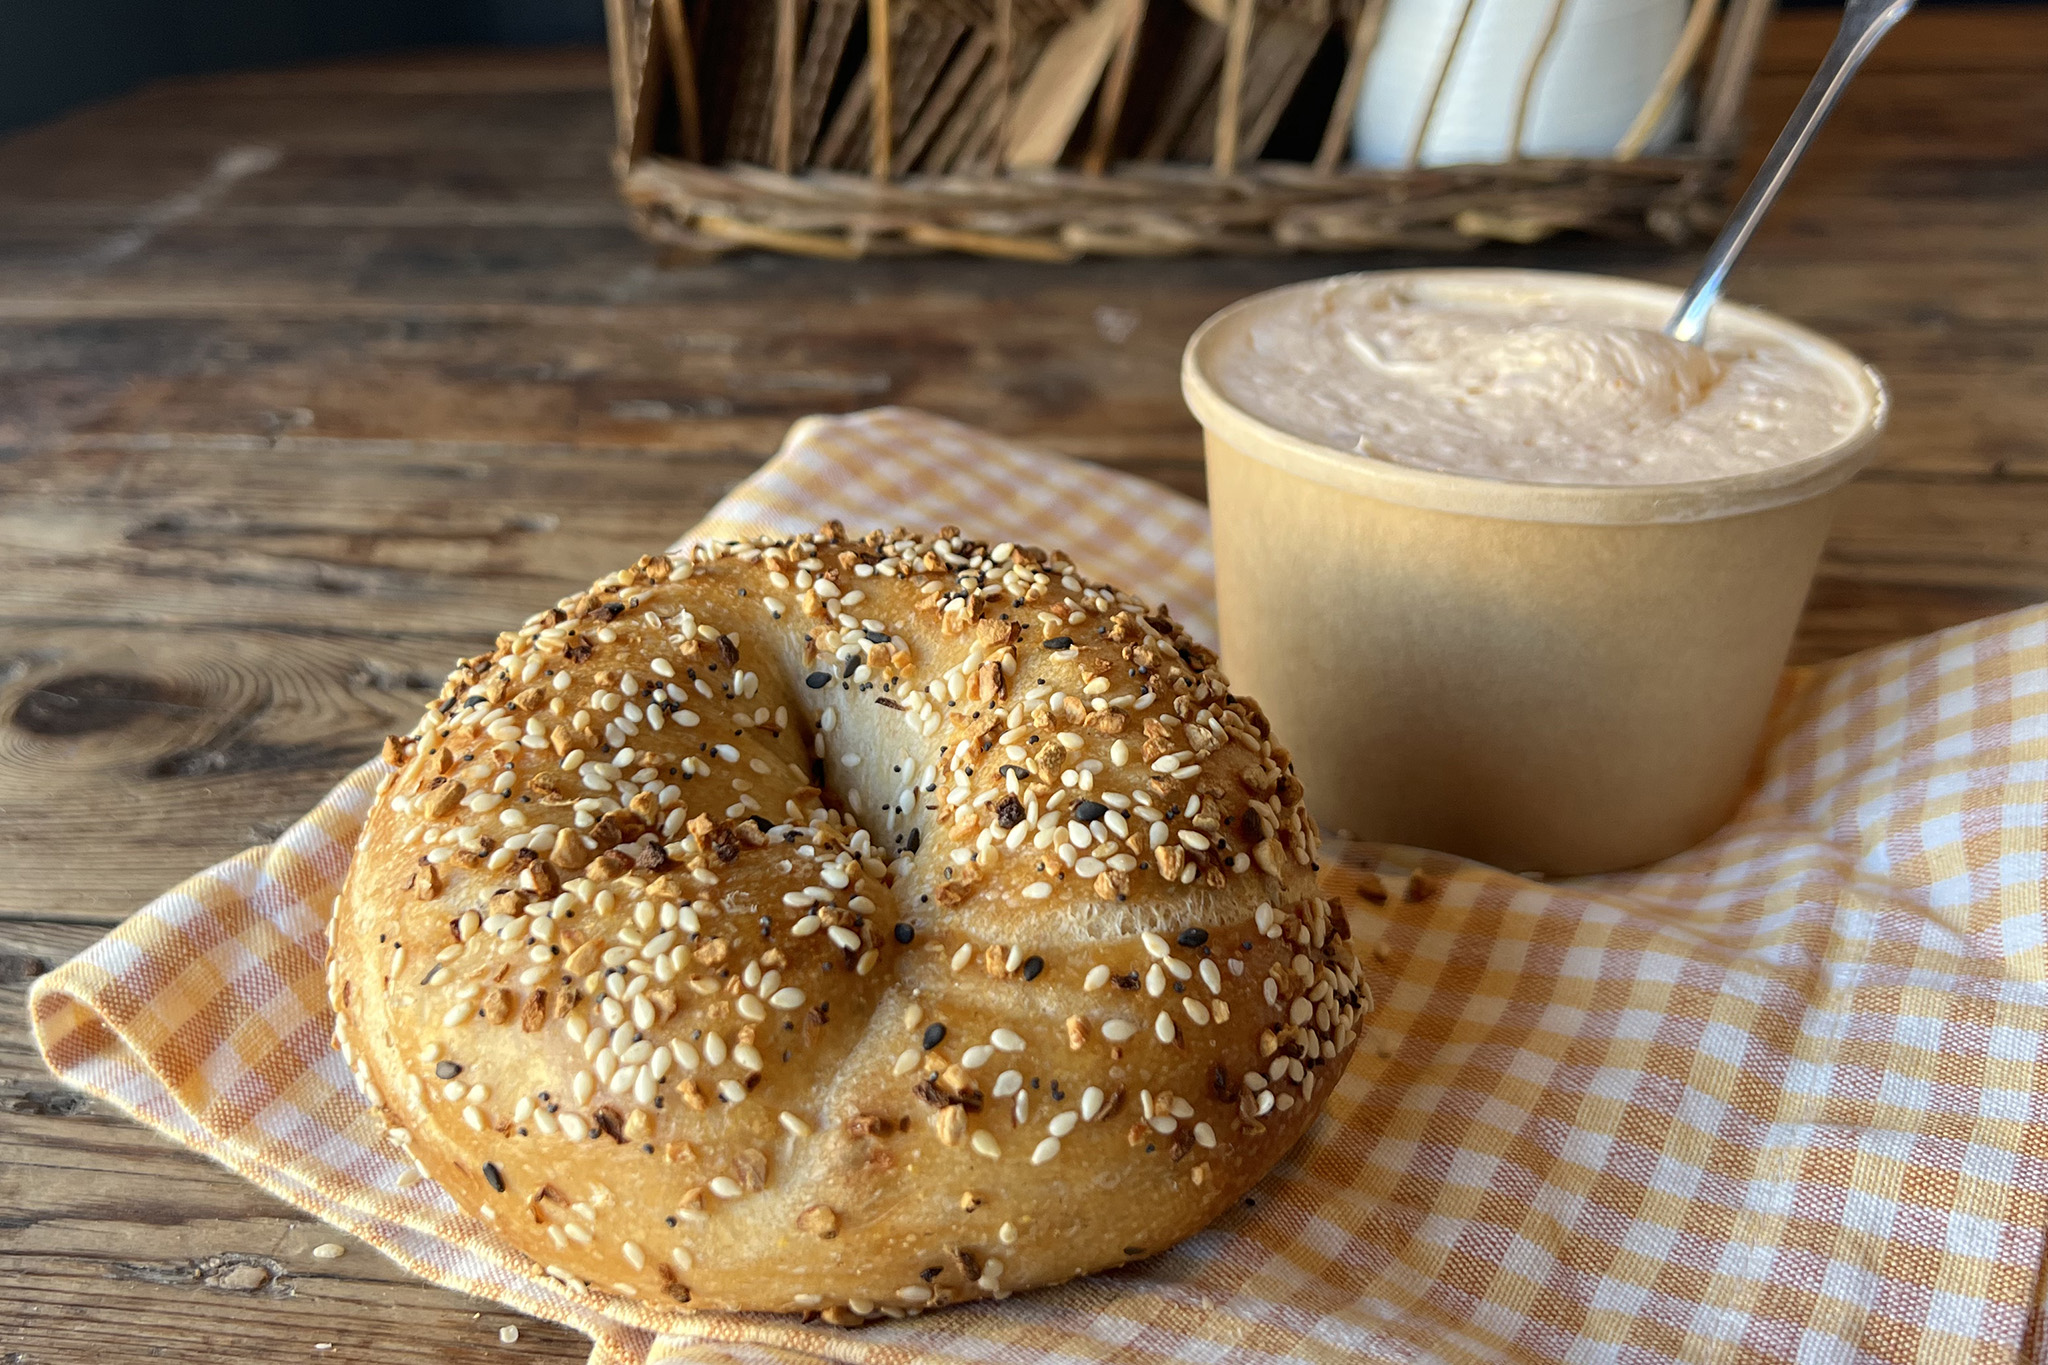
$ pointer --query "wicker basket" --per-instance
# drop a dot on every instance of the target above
(844, 128)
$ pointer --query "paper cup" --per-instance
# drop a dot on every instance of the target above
(1562, 678)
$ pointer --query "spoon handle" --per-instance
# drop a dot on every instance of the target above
(1864, 22)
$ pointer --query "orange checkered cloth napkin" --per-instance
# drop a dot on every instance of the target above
(1783, 1097)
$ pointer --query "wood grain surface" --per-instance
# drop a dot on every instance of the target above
(312, 380)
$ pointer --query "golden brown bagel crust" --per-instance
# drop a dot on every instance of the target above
(842, 925)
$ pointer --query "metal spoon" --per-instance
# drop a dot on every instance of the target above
(1864, 22)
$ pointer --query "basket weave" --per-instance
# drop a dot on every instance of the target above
(1086, 196)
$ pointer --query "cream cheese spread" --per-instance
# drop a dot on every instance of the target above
(1529, 384)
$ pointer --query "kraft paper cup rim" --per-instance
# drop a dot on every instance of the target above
(1595, 504)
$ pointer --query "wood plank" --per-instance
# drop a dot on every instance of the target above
(211, 534)
(1931, 41)
(709, 380)
(194, 743)
(118, 1241)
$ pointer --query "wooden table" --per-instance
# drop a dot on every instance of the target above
(310, 381)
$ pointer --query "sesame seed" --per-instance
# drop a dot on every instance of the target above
(790, 998)
(725, 1187)
(976, 1056)
(508, 1334)
(985, 1144)
(1091, 1103)
(1006, 1040)
(906, 1061)
(1045, 1151)
(1162, 1025)
(1038, 891)
(1063, 1124)
(965, 953)
(794, 1125)
(329, 1251)
(633, 1254)
(1119, 1030)
(1156, 945)
(1193, 938)
(1097, 978)
(934, 1035)
(843, 936)
(1008, 1084)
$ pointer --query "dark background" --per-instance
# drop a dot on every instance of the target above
(58, 53)
(55, 54)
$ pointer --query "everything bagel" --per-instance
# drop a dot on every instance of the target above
(845, 926)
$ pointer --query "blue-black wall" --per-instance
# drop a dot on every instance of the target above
(58, 53)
